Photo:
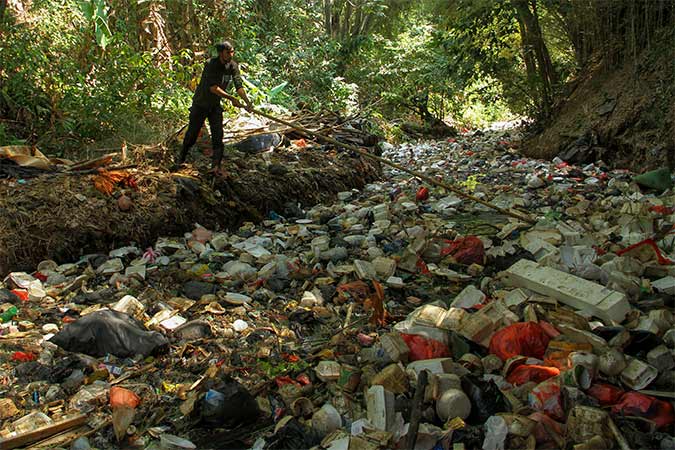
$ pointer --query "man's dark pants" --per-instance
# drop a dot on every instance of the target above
(198, 115)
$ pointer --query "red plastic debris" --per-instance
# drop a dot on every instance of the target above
(662, 209)
(290, 357)
(467, 250)
(422, 348)
(40, 276)
(641, 246)
(21, 293)
(23, 356)
(303, 379)
(283, 381)
(641, 405)
(422, 194)
(606, 394)
(523, 338)
(422, 266)
(545, 397)
(523, 374)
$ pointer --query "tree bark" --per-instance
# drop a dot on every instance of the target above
(535, 50)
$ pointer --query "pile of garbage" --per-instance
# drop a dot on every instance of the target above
(63, 209)
(401, 316)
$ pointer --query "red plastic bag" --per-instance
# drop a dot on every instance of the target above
(606, 394)
(641, 405)
(523, 374)
(545, 397)
(522, 338)
(468, 250)
(423, 348)
(422, 194)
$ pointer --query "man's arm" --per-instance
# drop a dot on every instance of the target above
(242, 94)
(215, 89)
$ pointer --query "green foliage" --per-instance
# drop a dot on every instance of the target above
(71, 91)
(282, 368)
(7, 138)
(86, 70)
(96, 12)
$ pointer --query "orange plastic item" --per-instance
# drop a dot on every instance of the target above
(641, 405)
(123, 397)
(21, 293)
(422, 348)
(523, 374)
(522, 338)
(558, 351)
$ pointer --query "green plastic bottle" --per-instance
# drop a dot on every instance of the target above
(9, 314)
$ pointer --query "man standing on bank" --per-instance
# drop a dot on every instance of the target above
(216, 77)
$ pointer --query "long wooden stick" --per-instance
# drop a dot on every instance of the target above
(389, 163)
(416, 409)
(42, 433)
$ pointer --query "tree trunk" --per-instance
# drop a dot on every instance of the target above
(534, 49)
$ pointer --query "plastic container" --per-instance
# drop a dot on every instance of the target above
(31, 422)
(453, 403)
(9, 314)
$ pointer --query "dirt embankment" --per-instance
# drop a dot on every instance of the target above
(62, 217)
(624, 116)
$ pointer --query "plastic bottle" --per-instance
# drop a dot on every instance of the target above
(9, 314)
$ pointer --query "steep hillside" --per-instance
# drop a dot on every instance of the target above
(624, 116)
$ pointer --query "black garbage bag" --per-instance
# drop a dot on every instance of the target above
(486, 399)
(195, 290)
(471, 436)
(228, 404)
(293, 435)
(110, 332)
(641, 341)
(258, 143)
